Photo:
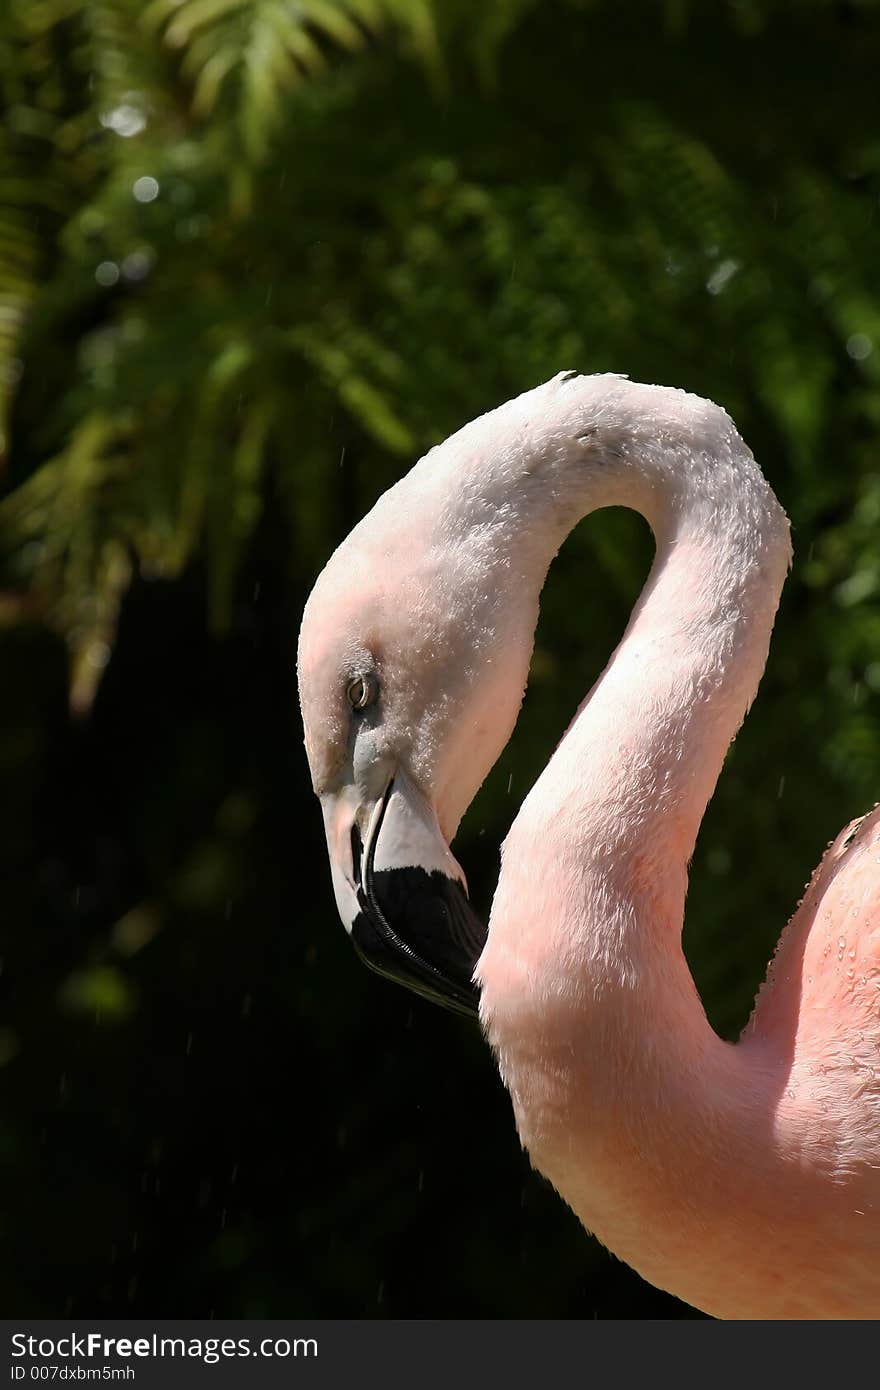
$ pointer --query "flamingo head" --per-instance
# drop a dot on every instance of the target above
(412, 663)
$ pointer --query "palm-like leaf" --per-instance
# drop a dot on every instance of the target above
(256, 52)
(392, 257)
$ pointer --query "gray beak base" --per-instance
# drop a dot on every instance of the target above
(415, 924)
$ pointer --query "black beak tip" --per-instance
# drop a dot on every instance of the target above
(417, 927)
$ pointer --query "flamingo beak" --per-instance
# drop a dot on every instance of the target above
(401, 894)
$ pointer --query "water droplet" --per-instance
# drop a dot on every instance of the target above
(137, 265)
(859, 346)
(127, 119)
(725, 272)
(107, 274)
(145, 189)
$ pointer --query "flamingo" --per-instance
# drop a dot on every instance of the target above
(742, 1177)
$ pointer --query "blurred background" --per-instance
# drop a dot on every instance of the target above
(256, 256)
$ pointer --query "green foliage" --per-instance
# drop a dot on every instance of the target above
(245, 57)
(255, 257)
(255, 208)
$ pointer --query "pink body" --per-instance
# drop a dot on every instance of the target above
(743, 1178)
(746, 1178)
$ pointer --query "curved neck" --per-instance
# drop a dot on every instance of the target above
(628, 785)
(586, 995)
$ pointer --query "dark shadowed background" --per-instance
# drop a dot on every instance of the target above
(255, 258)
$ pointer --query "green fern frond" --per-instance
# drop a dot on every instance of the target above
(257, 52)
(20, 258)
(69, 512)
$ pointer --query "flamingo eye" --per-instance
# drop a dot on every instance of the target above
(362, 691)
